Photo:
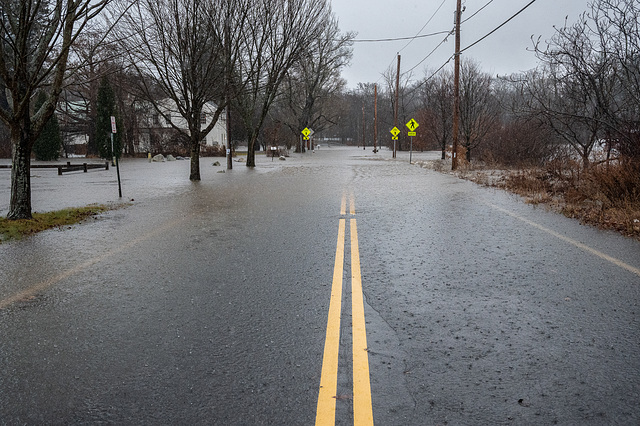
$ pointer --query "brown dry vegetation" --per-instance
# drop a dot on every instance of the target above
(606, 196)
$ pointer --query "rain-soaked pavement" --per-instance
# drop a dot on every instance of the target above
(207, 303)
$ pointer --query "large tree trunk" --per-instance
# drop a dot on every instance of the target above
(20, 205)
(195, 161)
(251, 153)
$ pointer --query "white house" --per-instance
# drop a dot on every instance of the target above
(163, 123)
(154, 131)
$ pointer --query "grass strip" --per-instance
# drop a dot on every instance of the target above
(17, 229)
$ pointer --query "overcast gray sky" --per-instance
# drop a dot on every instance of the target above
(504, 52)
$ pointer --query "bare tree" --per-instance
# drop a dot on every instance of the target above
(36, 37)
(437, 105)
(617, 26)
(91, 58)
(349, 123)
(478, 106)
(407, 98)
(279, 31)
(579, 90)
(312, 84)
(186, 49)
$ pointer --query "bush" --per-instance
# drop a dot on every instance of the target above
(518, 143)
(213, 151)
(604, 196)
(615, 186)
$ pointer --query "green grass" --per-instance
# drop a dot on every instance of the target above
(17, 229)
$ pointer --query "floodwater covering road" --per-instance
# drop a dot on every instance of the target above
(228, 301)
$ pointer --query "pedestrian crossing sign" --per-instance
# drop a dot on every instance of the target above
(412, 125)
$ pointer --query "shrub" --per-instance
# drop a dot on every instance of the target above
(616, 185)
(213, 151)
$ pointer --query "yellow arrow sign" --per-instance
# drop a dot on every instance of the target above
(394, 131)
(412, 125)
(306, 132)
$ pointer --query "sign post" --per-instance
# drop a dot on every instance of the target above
(412, 125)
(115, 157)
(394, 132)
(305, 132)
(113, 131)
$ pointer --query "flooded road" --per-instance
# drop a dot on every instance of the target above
(209, 302)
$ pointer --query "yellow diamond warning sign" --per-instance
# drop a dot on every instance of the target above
(412, 125)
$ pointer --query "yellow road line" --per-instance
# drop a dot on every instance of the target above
(362, 405)
(571, 241)
(326, 411)
(362, 408)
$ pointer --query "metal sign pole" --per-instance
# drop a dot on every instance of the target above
(113, 131)
(410, 149)
(118, 173)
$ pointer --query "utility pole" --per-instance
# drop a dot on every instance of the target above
(395, 110)
(375, 118)
(456, 90)
(363, 126)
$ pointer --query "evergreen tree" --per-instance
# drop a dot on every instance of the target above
(106, 108)
(47, 145)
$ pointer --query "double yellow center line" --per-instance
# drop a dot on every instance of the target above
(362, 408)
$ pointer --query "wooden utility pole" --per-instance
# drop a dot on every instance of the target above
(363, 126)
(375, 118)
(456, 90)
(395, 110)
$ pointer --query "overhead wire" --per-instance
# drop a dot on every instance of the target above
(418, 35)
(445, 39)
(425, 25)
(477, 11)
(434, 73)
(430, 53)
(379, 40)
(448, 33)
(498, 27)
(472, 44)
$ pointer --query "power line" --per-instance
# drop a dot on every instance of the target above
(411, 39)
(425, 25)
(430, 53)
(477, 11)
(433, 74)
(445, 39)
(498, 27)
(378, 40)
(427, 57)
(471, 45)
(442, 42)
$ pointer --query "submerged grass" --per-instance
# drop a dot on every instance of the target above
(17, 229)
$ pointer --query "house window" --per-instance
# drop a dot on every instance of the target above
(156, 119)
(168, 119)
(203, 118)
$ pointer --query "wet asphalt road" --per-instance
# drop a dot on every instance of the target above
(207, 303)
